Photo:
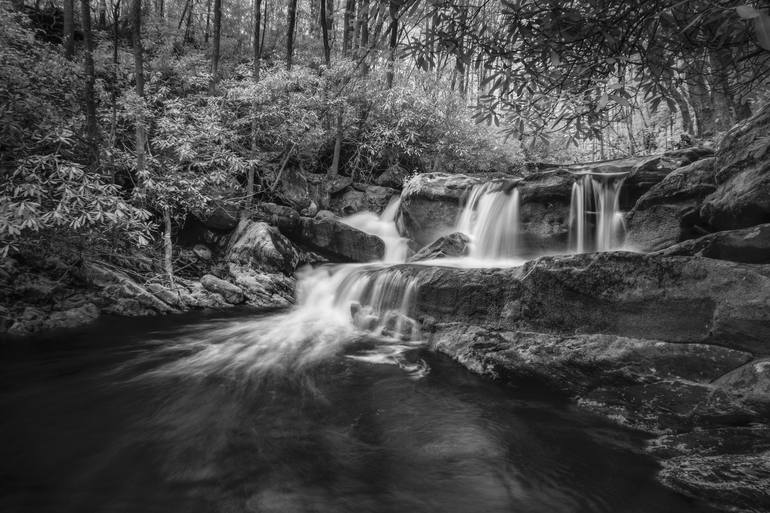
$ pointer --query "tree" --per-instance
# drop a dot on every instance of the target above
(69, 29)
(291, 20)
(90, 100)
(215, 49)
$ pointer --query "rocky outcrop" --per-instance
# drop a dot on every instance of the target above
(230, 292)
(742, 197)
(449, 246)
(750, 245)
(261, 246)
(663, 215)
(339, 241)
(664, 344)
(362, 197)
(430, 204)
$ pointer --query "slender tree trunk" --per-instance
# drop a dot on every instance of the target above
(88, 67)
(363, 15)
(161, 8)
(208, 22)
(291, 20)
(325, 33)
(168, 247)
(187, 33)
(215, 50)
(69, 29)
(460, 55)
(136, 34)
(392, 44)
(347, 26)
(255, 76)
(264, 29)
(684, 110)
(102, 14)
(114, 88)
(699, 97)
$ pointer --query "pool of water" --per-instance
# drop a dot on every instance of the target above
(180, 414)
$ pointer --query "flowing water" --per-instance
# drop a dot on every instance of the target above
(595, 220)
(490, 218)
(184, 413)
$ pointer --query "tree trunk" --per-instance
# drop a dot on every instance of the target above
(69, 29)
(187, 33)
(363, 15)
(684, 110)
(255, 77)
(334, 169)
(347, 26)
(215, 50)
(88, 68)
(392, 44)
(291, 20)
(114, 88)
(699, 98)
(102, 14)
(325, 33)
(136, 34)
(168, 247)
(208, 22)
(161, 8)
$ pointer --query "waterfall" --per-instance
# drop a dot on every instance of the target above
(490, 219)
(383, 226)
(595, 219)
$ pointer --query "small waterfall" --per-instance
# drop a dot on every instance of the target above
(595, 219)
(491, 219)
(383, 226)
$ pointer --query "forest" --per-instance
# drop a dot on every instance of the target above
(122, 118)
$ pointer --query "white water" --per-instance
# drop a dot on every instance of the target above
(490, 218)
(595, 220)
(336, 306)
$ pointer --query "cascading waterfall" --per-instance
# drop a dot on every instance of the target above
(383, 226)
(490, 219)
(595, 220)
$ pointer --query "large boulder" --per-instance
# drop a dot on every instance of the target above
(230, 292)
(362, 197)
(431, 204)
(749, 245)
(221, 218)
(742, 197)
(261, 289)
(339, 241)
(653, 170)
(662, 216)
(284, 218)
(262, 246)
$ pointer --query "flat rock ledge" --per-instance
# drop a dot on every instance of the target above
(674, 346)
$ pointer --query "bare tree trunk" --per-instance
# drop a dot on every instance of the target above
(347, 26)
(291, 20)
(699, 97)
(264, 28)
(102, 14)
(208, 22)
(215, 50)
(168, 247)
(88, 67)
(69, 29)
(136, 34)
(325, 33)
(255, 77)
(392, 45)
(187, 32)
(684, 110)
(114, 88)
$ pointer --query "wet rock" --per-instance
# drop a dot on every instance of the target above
(311, 210)
(362, 197)
(222, 218)
(660, 217)
(750, 245)
(29, 321)
(395, 177)
(340, 241)
(293, 189)
(34, 288)
(73, 317)
(116, 285)
(202, 252)
(263, 289)
(742, 197)
(452, 245)
(262, 246)
(653, 170)
(284, 218)
(430, 205)
(751, 382)
(128, 307)
(231, 293)
(326, 214)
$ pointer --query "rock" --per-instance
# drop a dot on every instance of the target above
(340, 241)
(128, 307)
(73, 317)
(231, 293)
(222, 218)
(751, 382)
(34, 288)
(452, 245)
(262, 246)
(311, 210)
(30, 321)
(294, 189)
(284, 218)
(653, 170)
(430, 205)
(362, 197)
(749, 245)
(202, 252)
(325, 214)
(116, 286)
(168, 296)
(262, 289)
(742, 197)
(395, 177)
(198, 297)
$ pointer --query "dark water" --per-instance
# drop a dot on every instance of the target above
(90, 422)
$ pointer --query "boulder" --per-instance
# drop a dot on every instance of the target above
(742, 197)
(661, 217)
(452, 245)
(231, 293)
(430, 205)
(222, 218)
(340, 241)
(262, 246)
(395, 177)
(749, 245)
(362, 197)
(123, 294)
(653, 170)
(284, 218)
(261, 289)
(73, 317)
(293, 188)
